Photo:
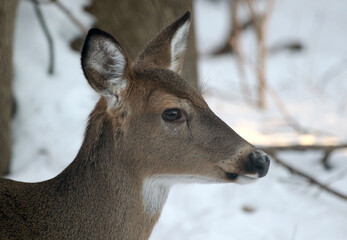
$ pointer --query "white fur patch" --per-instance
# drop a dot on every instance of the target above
(155, 190)
(255, 176)
(109, 61)
(178, 46)
(243, 180)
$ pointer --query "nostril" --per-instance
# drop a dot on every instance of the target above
(260, 168)
(259, 164)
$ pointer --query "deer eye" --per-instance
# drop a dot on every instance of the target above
(173, 115)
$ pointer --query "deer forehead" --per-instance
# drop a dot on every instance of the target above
(158, 81)
(159, 101)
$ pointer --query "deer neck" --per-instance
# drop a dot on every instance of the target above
(118, 190)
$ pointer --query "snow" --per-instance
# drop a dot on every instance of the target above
(52, 113)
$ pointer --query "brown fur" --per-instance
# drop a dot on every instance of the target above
(99, 195)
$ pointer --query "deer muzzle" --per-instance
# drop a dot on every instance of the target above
(252, 166)
(260, 161)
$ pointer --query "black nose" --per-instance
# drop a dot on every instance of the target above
(261, 162)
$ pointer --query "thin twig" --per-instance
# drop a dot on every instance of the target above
(325, 159)
(260, 25)
(67, 12)
(284, 110)
(259, 69)
(304, 175)
(334, 179)
(337, 177)
(286, 115)
(324, 148)
(234, 41)
(71, 16)
(47, 34)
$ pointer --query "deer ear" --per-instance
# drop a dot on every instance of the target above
(105, 65)
(167, 49)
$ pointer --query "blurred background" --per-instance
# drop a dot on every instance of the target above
(275, 71)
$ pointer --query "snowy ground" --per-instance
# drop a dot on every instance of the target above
(52, 112)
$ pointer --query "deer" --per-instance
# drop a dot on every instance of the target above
(148, 131)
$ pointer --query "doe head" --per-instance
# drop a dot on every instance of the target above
(162, 126)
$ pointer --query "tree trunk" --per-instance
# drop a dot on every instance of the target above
(7, 20)
(134, 23)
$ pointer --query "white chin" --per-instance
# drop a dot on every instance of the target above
(241, 179)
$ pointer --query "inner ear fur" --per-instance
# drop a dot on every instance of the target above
(167, 49)
(105, 65)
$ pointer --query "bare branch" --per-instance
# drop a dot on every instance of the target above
(284, 111)
(66, 11)
(324, 148)
(234, 42)
(47, 34)
(71, 16)
(326, 158)
(309, 178)
(260, 25)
